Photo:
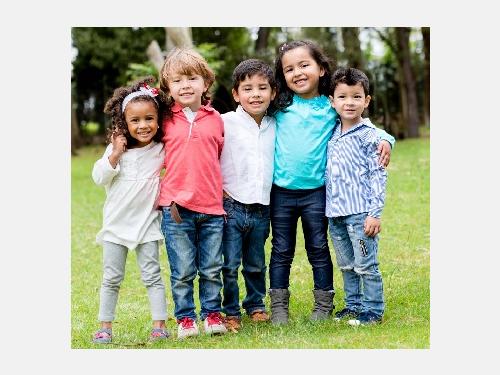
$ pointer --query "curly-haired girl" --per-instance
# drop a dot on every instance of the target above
(129, 171)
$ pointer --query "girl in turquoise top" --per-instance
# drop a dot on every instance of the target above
(304, 123)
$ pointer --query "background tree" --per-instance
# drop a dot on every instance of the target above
(352, 48)
(327, 38)
(103, 56)
(398, 40)
(426, 37)
(395, 59)
(410, 105)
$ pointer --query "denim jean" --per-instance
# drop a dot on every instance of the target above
(194, 247)
(287, 206)
(245, 234)
(357, 259)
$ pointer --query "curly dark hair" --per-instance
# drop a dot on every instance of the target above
(185, 61)
(113, 107)
(285, 94)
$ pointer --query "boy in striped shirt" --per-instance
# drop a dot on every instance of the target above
(355, 194)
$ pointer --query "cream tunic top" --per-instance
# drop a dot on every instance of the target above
(130, 217)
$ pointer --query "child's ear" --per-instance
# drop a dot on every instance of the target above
(236, 97)
(367, 100)
(273, 94)
(321, 71)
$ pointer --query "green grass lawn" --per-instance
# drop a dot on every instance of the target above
(403, 255)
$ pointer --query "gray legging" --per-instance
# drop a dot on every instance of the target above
(114, 258)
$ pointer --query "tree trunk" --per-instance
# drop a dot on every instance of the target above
(427, 74)
(408, 79)
(262, 40)
(352, 47)
(178, 37)
(155, 54)
(332, 48)
(76, 136)
(262, 43)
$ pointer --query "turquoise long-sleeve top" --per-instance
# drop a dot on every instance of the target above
(302, 134)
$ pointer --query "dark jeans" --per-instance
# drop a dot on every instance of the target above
(245, 234)
(287, 206)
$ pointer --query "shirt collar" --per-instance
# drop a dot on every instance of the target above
(265, 120)
(177, 108)
(364, 122)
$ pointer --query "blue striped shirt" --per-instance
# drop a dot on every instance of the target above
(355, 182)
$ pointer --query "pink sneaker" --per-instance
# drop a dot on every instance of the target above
(214, 324)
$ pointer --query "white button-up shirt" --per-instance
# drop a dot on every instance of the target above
(247, 159)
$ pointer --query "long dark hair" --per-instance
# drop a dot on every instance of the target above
(285, 94)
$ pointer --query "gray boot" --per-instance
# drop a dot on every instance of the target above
(279, 305)
(323, 304)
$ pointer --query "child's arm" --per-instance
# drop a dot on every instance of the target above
(106, 168)
(378, 179)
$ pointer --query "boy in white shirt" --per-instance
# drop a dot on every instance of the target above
(247, 163)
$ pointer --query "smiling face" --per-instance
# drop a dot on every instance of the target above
(350, 102)
(187, 89)
(142, 121)
(302, 72)
(254, 94)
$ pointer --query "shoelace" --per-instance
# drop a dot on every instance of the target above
(186, 323)
(214, 318)
(102, 335)
(158, 334)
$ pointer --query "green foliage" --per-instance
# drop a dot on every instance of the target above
(137, 71)
(90, 128)
(404, 262)
(213, 54)
(233, 45)
(111, 57)
(102, 61)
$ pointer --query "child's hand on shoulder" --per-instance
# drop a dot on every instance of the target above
(372, 226)
(384, 150)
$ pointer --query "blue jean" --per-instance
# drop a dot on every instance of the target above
(287, 206)
(245, 234)
(194, 247)
(357, 259)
